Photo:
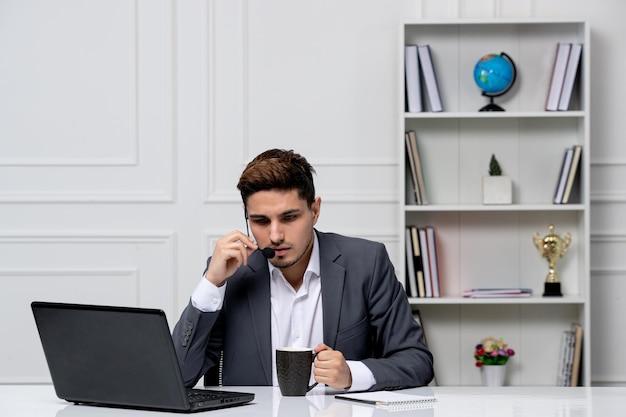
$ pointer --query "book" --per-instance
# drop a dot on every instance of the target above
(417, 316)
(422, 397)
(577, 330)
(572, 173)
(430, 78)
(509, 295)
(411, 284)
(563, 366)
(562, 180)
(412, 79)
(568, 355)
(573, 63)
(410, 156)
(497, 292)
(433, 258)
(428, 289)
(558, 75)
(421, 187)
(410, 185)
(418, 262)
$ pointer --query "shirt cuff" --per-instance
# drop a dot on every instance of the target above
(207, 297)
(362, 377)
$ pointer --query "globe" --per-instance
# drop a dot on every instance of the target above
(494, 74)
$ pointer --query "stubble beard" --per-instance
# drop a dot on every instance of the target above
(279, 263)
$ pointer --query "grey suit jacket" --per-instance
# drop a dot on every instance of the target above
(366, 316)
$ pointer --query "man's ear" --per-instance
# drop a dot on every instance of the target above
(316, 206)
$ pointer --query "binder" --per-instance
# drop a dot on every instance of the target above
(412, 79)
(430, 78)
(571, 71)
(558, 76)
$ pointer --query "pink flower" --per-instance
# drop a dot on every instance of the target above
(491, 351)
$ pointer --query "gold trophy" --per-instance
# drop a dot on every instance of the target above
(552, 247)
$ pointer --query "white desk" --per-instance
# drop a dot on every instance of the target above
(41, 401)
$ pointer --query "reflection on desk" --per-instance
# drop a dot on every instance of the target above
(41, 401)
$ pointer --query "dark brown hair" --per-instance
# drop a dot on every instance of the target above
(278, 169)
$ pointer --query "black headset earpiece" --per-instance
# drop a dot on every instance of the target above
(269, 253)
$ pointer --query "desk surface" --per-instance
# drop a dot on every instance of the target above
(41, 401)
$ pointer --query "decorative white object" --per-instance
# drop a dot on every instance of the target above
(497, 190)
(493, 375)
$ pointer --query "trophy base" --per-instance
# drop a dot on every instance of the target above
(552, 289)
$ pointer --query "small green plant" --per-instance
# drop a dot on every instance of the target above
(494, 167)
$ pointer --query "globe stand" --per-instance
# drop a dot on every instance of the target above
(491, 106)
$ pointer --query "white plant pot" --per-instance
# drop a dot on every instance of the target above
(493, 375)
(497, 190)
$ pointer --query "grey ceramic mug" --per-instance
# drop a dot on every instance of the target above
(293, 368)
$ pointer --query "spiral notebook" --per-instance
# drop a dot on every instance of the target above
(418, 398)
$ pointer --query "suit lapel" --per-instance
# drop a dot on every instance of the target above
(332, 278)
(260, 310)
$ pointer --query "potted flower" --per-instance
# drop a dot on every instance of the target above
(497, 188)
(491, 357)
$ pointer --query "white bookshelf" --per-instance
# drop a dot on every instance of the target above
(492, 246)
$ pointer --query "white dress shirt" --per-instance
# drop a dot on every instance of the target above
(297, 316)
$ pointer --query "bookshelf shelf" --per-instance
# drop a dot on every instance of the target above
(483, 208)
(491, 246)
(535, 299)
(496, 115)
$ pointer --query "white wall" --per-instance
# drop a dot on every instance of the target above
(124, 126)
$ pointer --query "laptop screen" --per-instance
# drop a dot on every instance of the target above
(111, 355)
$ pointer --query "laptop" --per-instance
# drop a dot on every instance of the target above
(119, 357)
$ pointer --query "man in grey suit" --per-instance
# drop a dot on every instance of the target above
(335, 294)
